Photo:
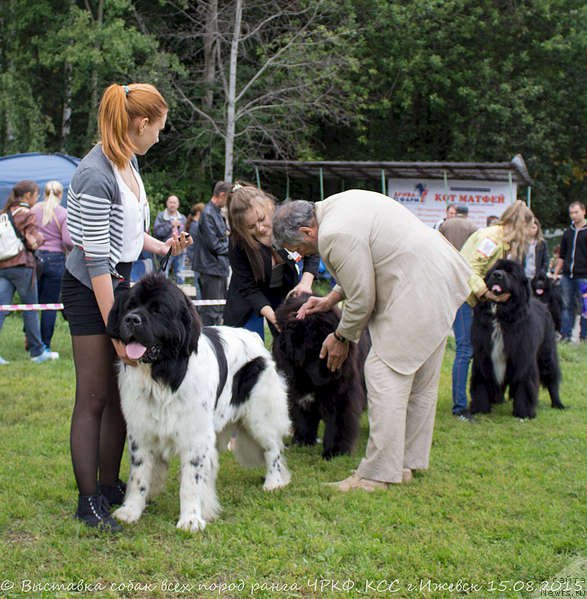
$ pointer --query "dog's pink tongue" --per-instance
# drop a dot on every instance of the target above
(496, 289)
(539, 291)
(135, 350)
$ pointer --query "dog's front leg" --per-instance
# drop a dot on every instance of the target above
(139, 482)
(197, 494)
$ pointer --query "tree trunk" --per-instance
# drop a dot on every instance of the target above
(210, 40)
(67, 97)
(231, 99)
(92, 120)
(66, 114)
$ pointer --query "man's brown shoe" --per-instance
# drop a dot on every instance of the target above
(406, 475)
(354, 481)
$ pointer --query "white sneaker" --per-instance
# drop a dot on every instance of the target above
(54, 355)
(44, 357)
(3, 361)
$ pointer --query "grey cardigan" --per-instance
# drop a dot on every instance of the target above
(95, 219)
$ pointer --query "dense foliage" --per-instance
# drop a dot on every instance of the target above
(459, 80)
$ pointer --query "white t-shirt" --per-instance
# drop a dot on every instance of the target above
(136, 217)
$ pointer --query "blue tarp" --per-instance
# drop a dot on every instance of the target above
(35, 167)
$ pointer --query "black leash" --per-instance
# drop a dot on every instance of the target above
(165, 260)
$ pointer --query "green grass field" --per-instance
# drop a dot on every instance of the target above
(501, 509)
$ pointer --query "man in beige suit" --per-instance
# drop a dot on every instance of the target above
(405, 282)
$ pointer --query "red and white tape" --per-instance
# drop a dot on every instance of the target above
(23, 307)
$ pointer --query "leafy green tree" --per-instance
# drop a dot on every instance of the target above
(473, 80)
(258, 74)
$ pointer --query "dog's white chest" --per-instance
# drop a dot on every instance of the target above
(498, 352)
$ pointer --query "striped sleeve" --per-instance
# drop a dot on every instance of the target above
(95, 223)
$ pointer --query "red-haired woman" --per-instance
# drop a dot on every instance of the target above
(107, 217)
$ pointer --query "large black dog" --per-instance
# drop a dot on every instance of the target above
(314, 393)
(513, 346)
(549, 294)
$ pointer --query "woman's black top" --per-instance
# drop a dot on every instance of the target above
(246, 296)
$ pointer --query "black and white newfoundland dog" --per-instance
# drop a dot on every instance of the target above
(192, 388)
(315, 393)
(549, 294)
(513, 346)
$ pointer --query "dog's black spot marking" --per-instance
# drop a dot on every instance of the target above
(245, 379)
(198, 478)
(216, 341)
(133, 445)
(142, 490)
(197, 463)
(135, 461)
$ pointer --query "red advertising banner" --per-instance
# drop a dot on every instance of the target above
(428, 198)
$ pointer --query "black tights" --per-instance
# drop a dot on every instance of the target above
(98, 429)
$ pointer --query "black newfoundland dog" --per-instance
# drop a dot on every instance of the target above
(191, 389)
(314, 392)
(549, 294)
(513, 346)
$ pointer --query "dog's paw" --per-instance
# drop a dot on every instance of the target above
(126, 514)
(277, 482)
(191, 523)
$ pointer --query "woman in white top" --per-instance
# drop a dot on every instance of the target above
(107, 219)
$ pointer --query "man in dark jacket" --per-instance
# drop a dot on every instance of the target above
(211, 254)
(572, 263)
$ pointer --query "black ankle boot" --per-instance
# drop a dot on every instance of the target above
(113, 493)
(94, 511)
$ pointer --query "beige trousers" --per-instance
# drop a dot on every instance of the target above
(401, 417)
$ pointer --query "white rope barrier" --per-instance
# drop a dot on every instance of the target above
(41, 307)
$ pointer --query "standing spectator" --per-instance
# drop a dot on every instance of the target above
(572, 263)
(491, 220)
(107, 217)
(18, 272)
(451, 212)
(405, 282)
(211, 254)
(262, 276)
(536, 256)
(457, 230)
(52, 223)
(553, 260)
(168, 223)
(482, 250)
(192, 224)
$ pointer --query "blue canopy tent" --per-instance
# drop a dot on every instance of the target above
(37, 167)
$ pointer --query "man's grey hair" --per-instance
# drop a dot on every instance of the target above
(287, 220)
(463, 209)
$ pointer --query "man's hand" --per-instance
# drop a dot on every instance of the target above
(334, 351)
(313, 305)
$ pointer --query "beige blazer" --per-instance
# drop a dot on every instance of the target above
(400, 278)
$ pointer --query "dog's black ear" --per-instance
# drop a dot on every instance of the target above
(116, 313)
(192, 323)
